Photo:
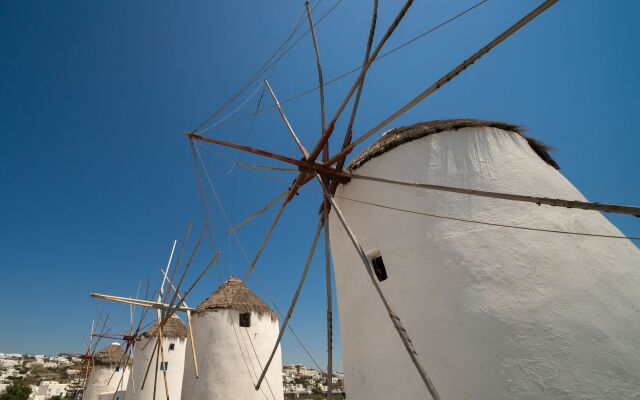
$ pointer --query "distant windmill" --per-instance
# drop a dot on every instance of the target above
(163, 344)
(130, 339)
(105, 379)
(88, 357)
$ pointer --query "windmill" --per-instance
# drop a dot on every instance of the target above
(163, 343)
(88, 357)
(419, 363)
(235, 331)
(107, 373)
(131, 339)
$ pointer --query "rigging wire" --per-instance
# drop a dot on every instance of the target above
(453, 218)
(251, 79)
(235, 176)
(234, 111)
(243, 359)
(268, 64)
(359, 67)
(257, 359)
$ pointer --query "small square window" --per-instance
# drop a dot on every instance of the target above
(172, 346)
(378, 268)
(245, 320)
(164, 365)
(117, 368)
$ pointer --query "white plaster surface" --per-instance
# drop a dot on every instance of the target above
(101, 382)
(175, 370)
(228, 364)
(494, 313)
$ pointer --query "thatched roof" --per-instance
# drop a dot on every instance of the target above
(110, 355)
(235, 295)
(174, 328)
(397, 136)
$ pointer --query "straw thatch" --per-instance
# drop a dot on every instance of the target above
(111, 355)
(397, 136)
(235, 295)
(174, 328)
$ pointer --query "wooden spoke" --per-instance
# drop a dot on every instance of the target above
(327, 260)
(397, 323)
(153, 355)
(259, 212)
(193, 348)
(293, 303)
(184, 242)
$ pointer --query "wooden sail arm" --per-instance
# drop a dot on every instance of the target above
(137, 302)
(302, 164)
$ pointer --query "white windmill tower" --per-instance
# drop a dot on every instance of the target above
(235, 332)
(174, 346)
(494, 312)
(107, 374)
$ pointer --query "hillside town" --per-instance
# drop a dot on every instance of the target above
(58, 377)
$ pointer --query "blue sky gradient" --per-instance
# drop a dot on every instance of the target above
(97, 180)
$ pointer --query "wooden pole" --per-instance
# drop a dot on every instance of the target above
(395, 319)
(284, 117)
(356, 102)
(155, 373)
(164, 279)
(184, 242)
(327, 260)
(142, 303)
(193, 348)
(260, 211)
(584, 205)
(164, 364)
(264, 241)
(318, 66)
(292, 305)
(153, 355)
(186, 268)
(193, 345)
(300, 163)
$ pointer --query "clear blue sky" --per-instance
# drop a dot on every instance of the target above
(97, 179)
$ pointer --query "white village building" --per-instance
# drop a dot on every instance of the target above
(495, 313)
(47, 389)
(234, 333)
(174, 341)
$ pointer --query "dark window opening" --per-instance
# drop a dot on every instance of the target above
(172, 346)
(164, 365)
(245, 320)
(117, 368)
(378, 268)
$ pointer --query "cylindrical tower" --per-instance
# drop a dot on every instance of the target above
(234, 332)
(174, 341)
(494, 312)
(110, 373)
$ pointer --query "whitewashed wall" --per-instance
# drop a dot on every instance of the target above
(175, 369)
(494, 313)
(227, 363)
(100, 381)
